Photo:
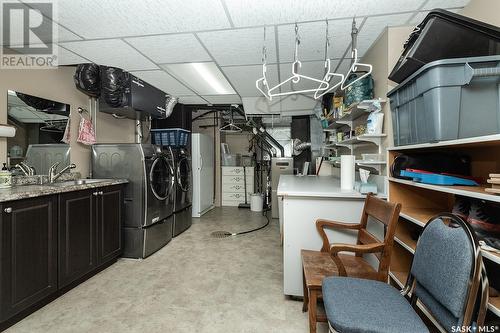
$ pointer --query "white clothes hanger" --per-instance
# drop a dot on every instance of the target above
(231, 127)
(328, 74)
(263, 79)
(355, 64)
(296, 77)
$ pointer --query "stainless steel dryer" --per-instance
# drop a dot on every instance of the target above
(183, 190)
(148, 196)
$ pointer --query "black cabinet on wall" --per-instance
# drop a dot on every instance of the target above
(28, 253)
(181, 117)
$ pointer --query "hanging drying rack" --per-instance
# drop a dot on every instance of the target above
(355, 64)
(231, 127)
(263, 79)
(328, 74)
(296, 77)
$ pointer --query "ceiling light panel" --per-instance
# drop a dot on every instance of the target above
(125, 18)
(312, 40)
(192, 100)
(374, 26)
(169, 49)
(290, 11)
(111, 52)
(432, 4)
(204, 78)
(223, 99)
(314, 69)
(243, 78)
(240, 46)
(163, 81)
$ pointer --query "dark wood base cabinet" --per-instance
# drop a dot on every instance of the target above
(50, 244)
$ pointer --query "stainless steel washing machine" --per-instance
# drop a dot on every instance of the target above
(183, 190)
(149, 195)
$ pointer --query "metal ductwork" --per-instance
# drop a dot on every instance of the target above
(299, 146)
(273, 141)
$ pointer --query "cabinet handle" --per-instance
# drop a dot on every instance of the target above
(8, 210)
(97, 193)
(100, 192)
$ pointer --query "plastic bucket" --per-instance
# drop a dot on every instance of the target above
(256, 202)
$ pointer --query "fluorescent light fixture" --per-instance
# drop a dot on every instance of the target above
(203, 77)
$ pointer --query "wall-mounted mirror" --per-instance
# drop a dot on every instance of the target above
(40, 124)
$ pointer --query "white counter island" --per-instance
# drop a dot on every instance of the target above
(302, 201)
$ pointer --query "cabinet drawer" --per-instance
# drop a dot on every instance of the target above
(238, 171)
(237, 188)
(239, 197)
(236, 180)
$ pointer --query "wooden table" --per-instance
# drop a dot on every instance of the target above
(316, 266)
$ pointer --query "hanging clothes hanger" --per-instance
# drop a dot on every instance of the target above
(328, 74)
(263, 79)
(355, 64)
(296, 77)
(231, 127)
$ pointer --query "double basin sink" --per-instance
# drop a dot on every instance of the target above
(76, 182)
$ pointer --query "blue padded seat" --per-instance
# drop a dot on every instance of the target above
(364, 306)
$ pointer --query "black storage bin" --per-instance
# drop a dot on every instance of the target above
(445, 35)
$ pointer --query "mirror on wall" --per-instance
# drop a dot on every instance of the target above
(40, 124)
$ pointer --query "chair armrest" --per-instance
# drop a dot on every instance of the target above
(322, 224)
(358, 249)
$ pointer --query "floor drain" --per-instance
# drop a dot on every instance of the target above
(220, 234)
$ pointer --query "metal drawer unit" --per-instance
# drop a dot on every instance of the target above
(233, 185)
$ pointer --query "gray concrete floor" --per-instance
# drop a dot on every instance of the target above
(194, 284)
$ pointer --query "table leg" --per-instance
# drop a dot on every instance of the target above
(313, 299)
(306, 293)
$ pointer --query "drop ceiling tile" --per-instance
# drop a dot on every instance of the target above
(297, 102)
(169, 49)
(240, 46)
(374, 26)
(192, 100)
(289, 11)
(223, 99)
(111, 52)
(163, 81)
(432, 4)
(66, 57)
(108, 19)
(193, 78)
(243, 78)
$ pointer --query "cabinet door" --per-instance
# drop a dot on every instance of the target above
(77, 235)
(28, 253)
(109, 219)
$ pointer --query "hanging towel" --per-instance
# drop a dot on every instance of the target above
(67, 136)
(86, 134)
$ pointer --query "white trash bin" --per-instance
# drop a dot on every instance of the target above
(256, 202)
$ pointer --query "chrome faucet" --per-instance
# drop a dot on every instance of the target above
(26, 169)
(53, 174)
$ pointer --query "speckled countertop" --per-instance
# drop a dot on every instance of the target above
(32, 191)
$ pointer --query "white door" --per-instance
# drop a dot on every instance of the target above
(207, 172)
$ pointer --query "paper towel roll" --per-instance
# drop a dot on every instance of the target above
(347, 172)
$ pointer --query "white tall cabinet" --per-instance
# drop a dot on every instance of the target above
(202, 156)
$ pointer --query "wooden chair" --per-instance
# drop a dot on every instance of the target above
(330, 262)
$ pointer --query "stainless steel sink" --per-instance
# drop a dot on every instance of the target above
(77, 182)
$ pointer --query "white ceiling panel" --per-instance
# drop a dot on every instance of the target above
(223, 99)
(314, 69)
(419, 17)
(432, 4)
(104, 19)
(169, 49)
(192, 100)
(374, 26)
(204, 78)
(312, 40)
(111, 52)
(289, 11)
(297, 102)
(243, 78)
(163, 81)
(240, 47)
(66, 57)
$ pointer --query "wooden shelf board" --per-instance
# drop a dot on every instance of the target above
(419, 216)
(403, 237)
(477, 192)
(487, 140)
(494, 305)
(399, 277)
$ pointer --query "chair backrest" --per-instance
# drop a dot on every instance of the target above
(387, 213)
(446, 271)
